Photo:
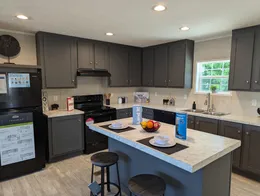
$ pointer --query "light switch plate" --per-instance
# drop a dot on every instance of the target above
(55, 98)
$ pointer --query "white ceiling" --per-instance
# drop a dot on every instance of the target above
(132, 21)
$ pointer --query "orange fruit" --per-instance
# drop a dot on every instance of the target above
(149, 124)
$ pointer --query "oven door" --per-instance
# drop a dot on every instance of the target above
(95, 141)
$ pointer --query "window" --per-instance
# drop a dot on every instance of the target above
(214, 73)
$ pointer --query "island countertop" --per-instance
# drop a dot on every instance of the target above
(203, 148)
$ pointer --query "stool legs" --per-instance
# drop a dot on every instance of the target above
(102, 181)
(92, 174)
(118, 179)
(108, 180)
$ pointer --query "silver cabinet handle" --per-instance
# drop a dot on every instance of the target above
(191, 122)
(247, 133)
(197, 123)
(247, 81)
(73, 81)
(256, 81)
(96, 63)
(239, 131)
(79, 120)
(169, 80)
(90, 62)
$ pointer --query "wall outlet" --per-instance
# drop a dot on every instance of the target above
(155, 94)
(185, 97)
(254, 102)
(55, 98)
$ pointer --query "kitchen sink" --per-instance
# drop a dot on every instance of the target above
(206, 112)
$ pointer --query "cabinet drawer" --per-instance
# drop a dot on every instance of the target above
(148, 111)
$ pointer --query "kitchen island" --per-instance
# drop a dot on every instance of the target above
(202, 168)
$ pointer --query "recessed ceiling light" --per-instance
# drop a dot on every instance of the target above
(23, 17)
(184, 28)
(159, 8)
(109, 34)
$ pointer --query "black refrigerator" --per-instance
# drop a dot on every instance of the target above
(22, 124)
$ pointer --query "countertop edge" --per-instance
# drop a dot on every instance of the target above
(62, 113)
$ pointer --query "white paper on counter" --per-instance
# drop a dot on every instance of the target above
(3, 88)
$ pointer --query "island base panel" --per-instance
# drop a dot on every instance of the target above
(212, 180)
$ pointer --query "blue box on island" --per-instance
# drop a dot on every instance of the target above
(137, 114)
(181, 126)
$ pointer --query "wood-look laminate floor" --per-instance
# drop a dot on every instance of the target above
(72, 176)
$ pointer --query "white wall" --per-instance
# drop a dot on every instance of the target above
(27, 55)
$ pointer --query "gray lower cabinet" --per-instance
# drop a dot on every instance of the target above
(251, 146)
(148, 113)
(191, 122)
(92, 55)
(234, 131)
(57, 54)
(65, 136)
(160, 65)
(148, 67)
(207, 125)
(241, 59)
(124, 113)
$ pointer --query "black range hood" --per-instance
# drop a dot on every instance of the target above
(93, 73)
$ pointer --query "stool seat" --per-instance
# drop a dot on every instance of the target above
(104, 159)
(147, 185)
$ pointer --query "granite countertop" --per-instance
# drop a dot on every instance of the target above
(60, 113)
(203, 148)
(249, 120)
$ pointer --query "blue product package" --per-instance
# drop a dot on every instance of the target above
(137, 114)
(181, 126)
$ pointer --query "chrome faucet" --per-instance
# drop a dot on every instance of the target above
(207, 102)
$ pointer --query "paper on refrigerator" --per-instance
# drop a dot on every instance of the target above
(3, 87)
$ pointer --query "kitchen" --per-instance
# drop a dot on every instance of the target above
(50, 52)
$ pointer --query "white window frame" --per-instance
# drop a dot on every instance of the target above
(199, 78)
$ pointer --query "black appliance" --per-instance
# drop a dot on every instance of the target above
(22, 126)
(94, 109)
(93, 73)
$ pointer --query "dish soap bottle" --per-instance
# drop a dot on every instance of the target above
(194, 106)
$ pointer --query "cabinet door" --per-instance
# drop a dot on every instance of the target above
(135, 67)
(241, 59)
(234, 131)
(160, 66)
(67, 135)
(255, 81)
(59, 55)
(158, 115)
(191, 122)
(85, 54)
(101, 56)
(206, 125)
(169, 117)
(176, 64)
(118, 66)
(251, 146)
(148, 67)
(123, 113)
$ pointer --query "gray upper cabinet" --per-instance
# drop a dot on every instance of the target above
(255, 80)
(180, 64)
(119, 66)
(57, 54)
(92, 55)
(206, 125)
(251, 144)
(241, 59)
(160, 65)
(234, 131)
(148, 66)
(135, 67)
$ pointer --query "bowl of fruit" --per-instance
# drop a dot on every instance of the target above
(150, 125)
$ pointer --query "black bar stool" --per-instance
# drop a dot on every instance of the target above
(105, 160)
(146, 185)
